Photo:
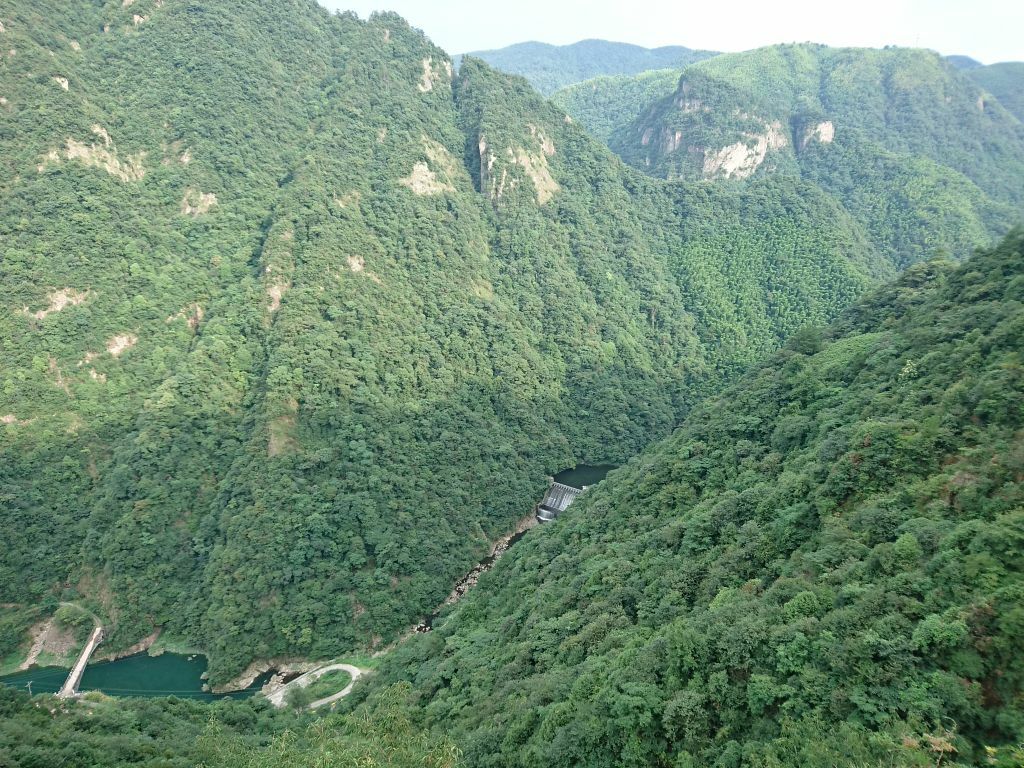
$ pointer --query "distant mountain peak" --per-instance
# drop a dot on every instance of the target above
(550, 67)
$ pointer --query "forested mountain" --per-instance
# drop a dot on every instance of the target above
(296, 321)
(1005, 81)
(821, 567)
(964, 62)
(891, 134)
(605, 104)
(896, 135)
(550, 67)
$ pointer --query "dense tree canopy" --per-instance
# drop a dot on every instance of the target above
(299, 321)
(1005, 81)
(174, 733)
(922, 158)
(821, 567)
(605, 104)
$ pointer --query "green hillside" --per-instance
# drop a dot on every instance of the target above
(296, 321)
(1005, 81)
(604, 104)
(550, 67)
(964, 62)
(822, 566)
(298, 318)
(910, 146)
(175, 733)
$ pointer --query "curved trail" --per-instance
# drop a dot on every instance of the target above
(277, 698)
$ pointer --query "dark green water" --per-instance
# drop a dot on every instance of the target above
(169, 674)
(583, 475)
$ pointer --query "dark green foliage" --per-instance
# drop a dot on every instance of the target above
(550, 67)
(287, 421)
(100, 732)
(295, 322)
(387, 738)
(174, 733)
(822, 566)
(14, 625)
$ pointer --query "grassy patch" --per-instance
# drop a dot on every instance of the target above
(328, 684)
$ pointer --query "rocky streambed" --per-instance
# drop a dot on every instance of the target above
(467, 582)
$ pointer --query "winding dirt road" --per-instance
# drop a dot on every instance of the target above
(278, 697)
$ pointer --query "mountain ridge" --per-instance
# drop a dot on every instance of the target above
(874, 128)
(550, 67)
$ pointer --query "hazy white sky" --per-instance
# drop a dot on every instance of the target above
(988, 30)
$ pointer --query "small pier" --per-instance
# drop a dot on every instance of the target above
(70, 687)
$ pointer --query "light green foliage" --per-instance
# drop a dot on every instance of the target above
(328, 684)
(893, 135)
(174, 733)
(386, 738)
(14, 625)
(1005, 81)
(603, 104)
(295, 322)
(844, 592)
(75, 619)
(149, 733)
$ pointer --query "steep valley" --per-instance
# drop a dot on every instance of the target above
(308, 340)
(300, 315)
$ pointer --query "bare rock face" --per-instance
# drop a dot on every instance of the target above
(434, 175)
(423, 181)
(196, 203)
(533, 163)
(103, 156)
(117, 345)
(192, 315)
(824, 132)
(434, 74)
(536, 167)
(276, 292)
(672, 140)
(58, 301)
(742, 159)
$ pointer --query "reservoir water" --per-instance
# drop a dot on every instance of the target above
(169, 674)
(583, 475)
